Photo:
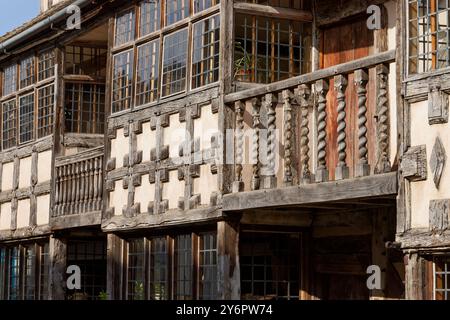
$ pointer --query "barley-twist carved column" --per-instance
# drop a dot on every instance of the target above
(288, 135)
(238, 184)
(270, 102)
(383, 164)
(342, 171)
(256, 108)
(361, 80)
(321, 87)
(304, 93)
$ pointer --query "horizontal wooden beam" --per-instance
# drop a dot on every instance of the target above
(273, 12)
(344, 68)
(359, 188)
(170, 218)
(422, 239)
(76, 221)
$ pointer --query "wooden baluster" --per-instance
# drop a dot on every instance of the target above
(340, 85)
(77, 187)
(82, 186)
(91, 184)
(288, 136)
(238, 184)
(100, 184)
(304, 94)
(383, 163)
(270, 103)
(96, 178)
(74, 190)
(322, 87)
(256, 109)
(361, 80)
(86, 186)
(57, 192)
(65, 190)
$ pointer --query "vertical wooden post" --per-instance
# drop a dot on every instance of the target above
(414, 277)
(361, 80)
(340, 85)
(304, 93)
(288, 137)
(238, 184)
(58, 261)
(256, 108)
(383, 162)
(229, 276)
(322, 88)
(114, 267)
(270, 102)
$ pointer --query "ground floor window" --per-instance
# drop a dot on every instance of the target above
(179, 267)
(442, 278)
(23, 272)
(90, 256)
(270, 265)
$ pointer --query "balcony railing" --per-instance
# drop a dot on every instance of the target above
(79, 183)
(331, 124)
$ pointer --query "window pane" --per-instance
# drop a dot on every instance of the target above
(147, 73)
(159, 269)
(176, 10)
(200, 5)
(184, 263)
(27, 72)
(174, 63)
(9, 124)
(269, 50)
(136, 269)
(2, 273)
(46, 100)
(9, 80)
(14, 274)
(26, 118)
(30, 273)
(44, 272)
(85, 61)
(122, 81)
(150, 20)
(125, 24)
(208, 266)
(84, 108)
(205, 60)
(46, 65)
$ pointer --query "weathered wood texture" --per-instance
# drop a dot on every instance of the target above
(372, 186)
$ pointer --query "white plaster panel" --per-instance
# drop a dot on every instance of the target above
(7, 176)
(5, 216)
(146, 141)
(392, 78)
(391, 8)
(43, 210)
(145, 193)
(173, 190)
(205, 127)
(25, 172)
(120, 147)
(23, 214)
(118, 198)
(424, 191)
(205, 184)
(174, 135)
(44, 166)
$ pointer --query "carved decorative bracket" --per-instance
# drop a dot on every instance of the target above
(414, 163)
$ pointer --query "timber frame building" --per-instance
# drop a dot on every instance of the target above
(226, 149)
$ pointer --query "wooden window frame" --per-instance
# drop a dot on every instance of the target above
(132, 31)
(22, 118)
(154, 66)
(208, 60)
(30, 78)
(14, 84)
(45, 113)
(46, 64)
(158, 23)
(14, 121)
(128, 87)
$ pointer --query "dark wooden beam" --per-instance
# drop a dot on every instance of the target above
(76, 220)
(359, 188)
(273, 12)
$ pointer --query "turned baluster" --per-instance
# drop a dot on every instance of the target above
(256, 109)
(322, 87)
(270, 103)
(304, 93)
(96, 178)
(340, 85)
(91, 184)
(288, 136)
(383, 163)
(238, 184)
(361, 80)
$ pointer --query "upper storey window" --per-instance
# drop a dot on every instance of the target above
(428, 35)
(176, 10)
(200, 5)
(269, 49)
(150, 17)
(27, 72)
(293, 4)
(9, 80)
(174, 64)
(125, 26)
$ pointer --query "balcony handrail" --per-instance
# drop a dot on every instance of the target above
(340, 69)
(81, 156)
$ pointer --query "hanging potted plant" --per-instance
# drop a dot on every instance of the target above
(243, 63)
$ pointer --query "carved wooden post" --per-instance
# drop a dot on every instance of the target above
(288, 134)
(322, 87)
(100, 184)
(77, 187)
(383, 163)
(238, 184)
(361, 80)
(270, 103)
(342, 171)
(256, 108)
(83, 184)
(91, 184)
(65, 189)
(304, 93)
(95, 185)
(57, 192)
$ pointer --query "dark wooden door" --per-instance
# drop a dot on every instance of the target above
(343, 43)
